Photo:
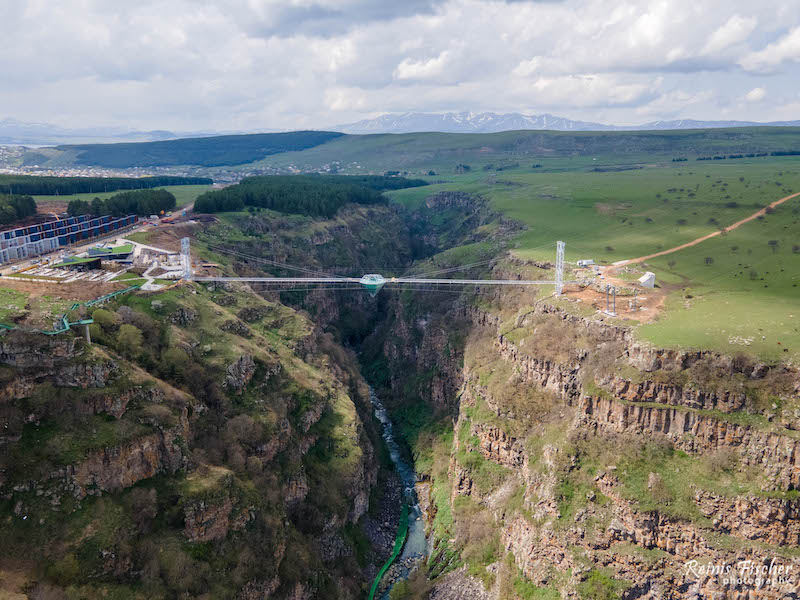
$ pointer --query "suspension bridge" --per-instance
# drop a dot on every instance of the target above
(372, 282)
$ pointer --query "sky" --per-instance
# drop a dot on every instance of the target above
(194, 65)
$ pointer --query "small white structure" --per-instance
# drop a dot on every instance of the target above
(648, 280)
(586, 262)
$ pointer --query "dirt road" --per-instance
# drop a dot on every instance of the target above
(752, 217)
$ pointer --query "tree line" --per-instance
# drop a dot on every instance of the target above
(63, 186)
(15, 207)
(312, 195)
(139, 202)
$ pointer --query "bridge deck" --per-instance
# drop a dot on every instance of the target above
(389, 281)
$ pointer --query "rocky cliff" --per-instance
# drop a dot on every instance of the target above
(169, 451)
(609, 468)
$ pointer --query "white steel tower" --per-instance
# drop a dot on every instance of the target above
(559, 267)
(186, 259)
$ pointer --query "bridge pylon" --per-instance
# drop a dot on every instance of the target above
(186, 259)
(559, 267)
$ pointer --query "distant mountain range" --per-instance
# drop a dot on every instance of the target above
(487, 122)
(15, 132)
(22, 133)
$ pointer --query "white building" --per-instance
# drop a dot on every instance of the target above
(648, 280)
(586, 262)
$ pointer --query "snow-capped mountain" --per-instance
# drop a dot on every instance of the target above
(465, 122)
(488, 122)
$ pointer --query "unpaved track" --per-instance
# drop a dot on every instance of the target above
(752, 217)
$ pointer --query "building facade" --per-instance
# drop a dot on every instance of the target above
(25, 242)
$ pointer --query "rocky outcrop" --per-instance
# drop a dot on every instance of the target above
(677, 395)
(458, 585)
(260, 590)
(239, 373)
(563, 381)
(32, 351)
(109, 469)
(538, 549)
(778, 456)
(296, 489)
(770, 520)
(183, 317)
(118, 467)
(499, 447)
(237, 328)
(86, 375)
(207, 520)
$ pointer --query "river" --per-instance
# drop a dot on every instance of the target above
(416, 545)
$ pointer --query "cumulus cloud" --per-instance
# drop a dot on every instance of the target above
(755, 95)
(786, 49)
(253, 64)
(736, 29)
(590, 90)
(422, 69)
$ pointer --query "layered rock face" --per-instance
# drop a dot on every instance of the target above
(610, 467)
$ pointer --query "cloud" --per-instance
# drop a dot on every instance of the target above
(590, 90)
(251, 64)
(786, 49)
(737, 29)
(422, 69)
(326, 18)
(755, 95)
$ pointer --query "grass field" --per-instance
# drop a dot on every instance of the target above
(184, 194)
(745, 298)
(553, 150)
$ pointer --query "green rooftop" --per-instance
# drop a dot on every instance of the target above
(74, 260)
(112, 251)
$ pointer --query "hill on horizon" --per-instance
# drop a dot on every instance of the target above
(205, 152)
(308, 151)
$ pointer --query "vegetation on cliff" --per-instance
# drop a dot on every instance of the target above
(201, 424)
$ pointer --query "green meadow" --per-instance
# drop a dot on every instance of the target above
(735, 292)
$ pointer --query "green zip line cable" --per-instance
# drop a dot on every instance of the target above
(402, 532)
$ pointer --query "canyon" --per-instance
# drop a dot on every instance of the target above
(557, 455)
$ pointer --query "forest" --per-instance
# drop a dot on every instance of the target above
(312, 195)
(139, 202)
(210, 151)
(64, 186)
(13, 208)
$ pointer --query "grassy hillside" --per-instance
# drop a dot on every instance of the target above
(442, 152)
(612, 216)
(421, 152)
